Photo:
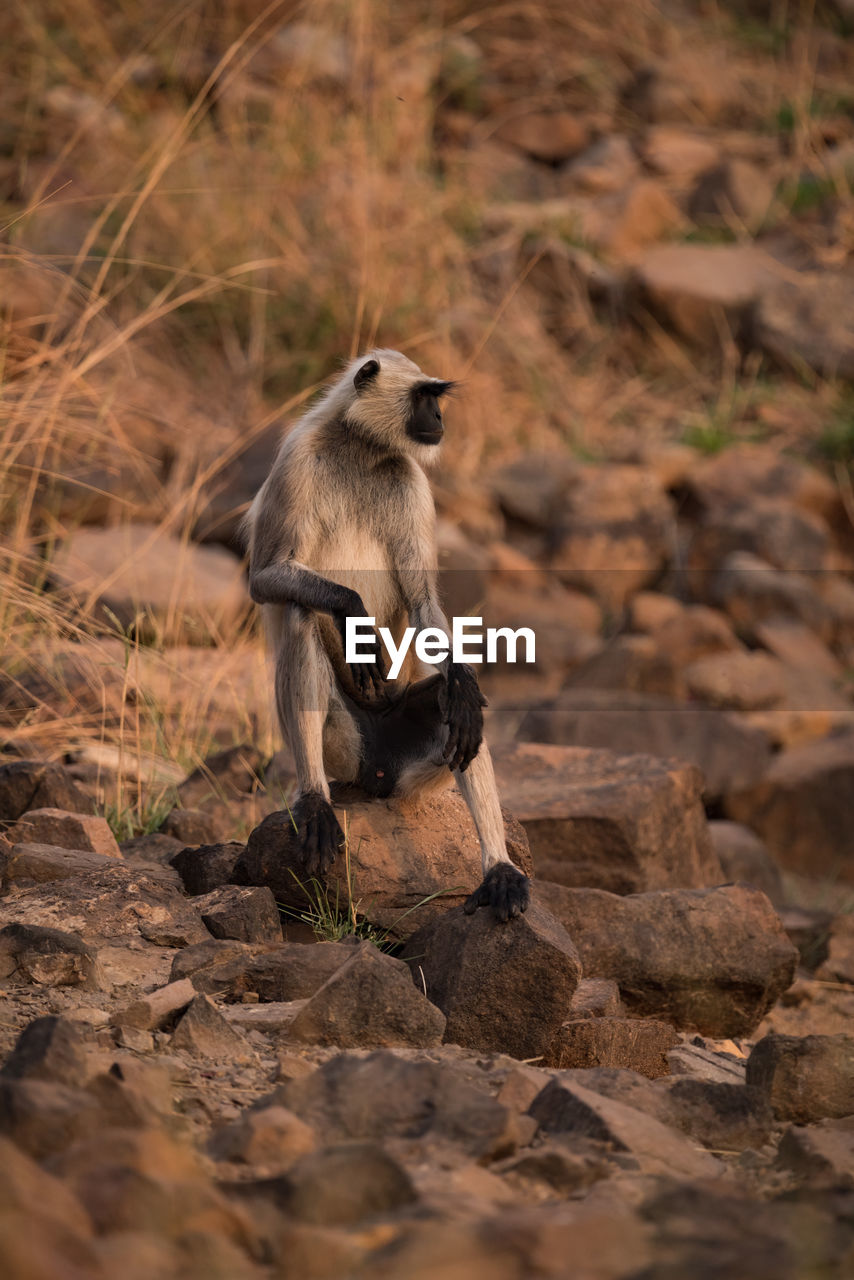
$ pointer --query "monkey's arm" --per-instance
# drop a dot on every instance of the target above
(289, 582)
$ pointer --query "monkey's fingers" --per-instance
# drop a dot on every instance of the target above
(505, 889)
(320, 833)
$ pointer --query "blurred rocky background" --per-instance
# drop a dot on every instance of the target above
(628, 230)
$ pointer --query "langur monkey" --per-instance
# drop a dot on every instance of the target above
(344, 526)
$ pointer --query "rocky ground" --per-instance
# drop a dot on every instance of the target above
(628, 230)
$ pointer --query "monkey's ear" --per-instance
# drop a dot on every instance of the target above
(366, 373)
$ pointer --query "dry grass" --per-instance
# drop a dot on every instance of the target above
(199, 224)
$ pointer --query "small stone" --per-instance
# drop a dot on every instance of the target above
(505, 988)
(158, 1009)
(804, 1078)
(46, 957)
(31, 784)
(744, 857)
(198, 826)
(566, 1107)
(134, 1039)
(550, 137)
(801, 808)
(735, 192)
(204, 1032)
(636, 1044)
(247, 914)
(276, 972)
(370, 1000)
(49, 1048)
(822, 1155)
(66, 831)
(206, 867)
(384, 1096)
(271, 1136)
(41, 863)
(596, 998)
(339, 1186)
(737, 681)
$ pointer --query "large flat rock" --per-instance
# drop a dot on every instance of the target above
(600, 820)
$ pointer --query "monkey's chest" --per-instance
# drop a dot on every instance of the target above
(361, 561)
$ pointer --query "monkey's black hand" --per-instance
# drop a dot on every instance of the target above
(320, 835)
(505, 889)
(368, 677)
(461, 703)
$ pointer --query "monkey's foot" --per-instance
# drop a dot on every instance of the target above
(320, 835)
(505, 889)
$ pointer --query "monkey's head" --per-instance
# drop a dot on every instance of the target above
(396, 406)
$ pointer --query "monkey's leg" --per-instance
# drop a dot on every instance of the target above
(505, 889)
(304, 685)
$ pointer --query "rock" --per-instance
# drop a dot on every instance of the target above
(400, 852)
(117, 904)
(249, 915)
(270, 1136)
(751, 591)
(744, 857)
(772, 528)
(31, 784)
(554, 1166)
(340, 1186)
(596, 998)
(276, 972)
(629, 662)
(638, 1044)
(746, 472)
(565, 622)
(732, 194)
(153, 849)
(807, 321)
(722, 1115)
(695, 632)
(737, 681)
(609, 164)
(533, 488)
(801, 809)
(384, 1096)
(809, 929)
(678, 153)
(822, 1155)
(143, 1183)
(726, 751)
(566, 1107)
(838, 963)
(798, 647)
(158, 1009)
(702, 291)
(370, 1000)
(505, 988)
(44, 1117)
(157, 583)
(805, 1078)
(622, 823)
(49, 1048)
(66, 831)
(720, 961)
(547, 136)
(208, 867)
(701, 1061)
(41, 863)
(204, 1033)
(207, 826)
(615, 515)
(47, 957)
(232, 774)
(27, 1188)
(274, 1016)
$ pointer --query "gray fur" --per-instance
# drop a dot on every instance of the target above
(347, 508)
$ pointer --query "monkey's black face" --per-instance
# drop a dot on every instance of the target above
(424, 424)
